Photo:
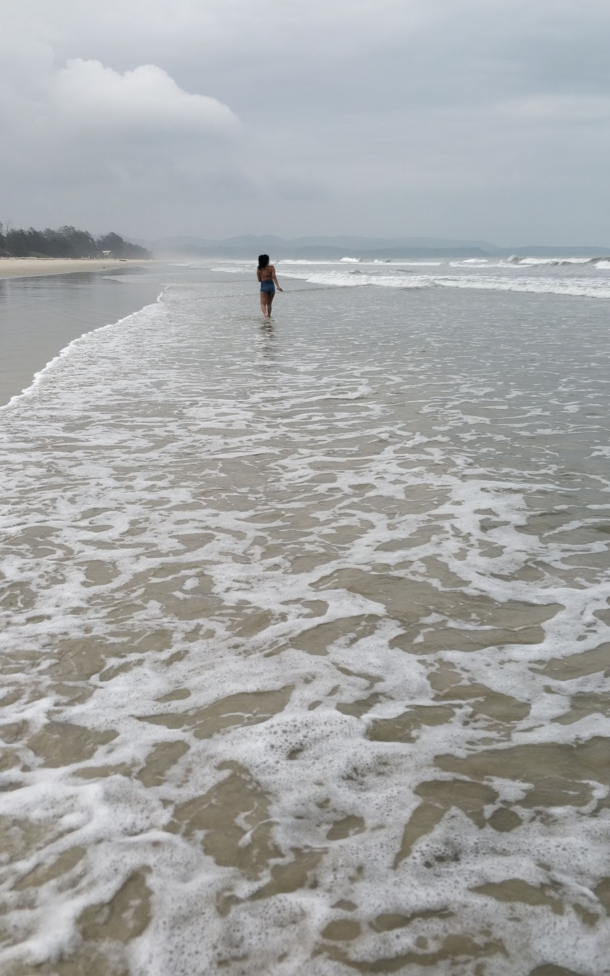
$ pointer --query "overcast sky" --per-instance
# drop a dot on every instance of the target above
(486, 119)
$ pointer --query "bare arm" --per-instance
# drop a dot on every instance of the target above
(276, 282)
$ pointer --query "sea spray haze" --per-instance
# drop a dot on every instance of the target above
(305, 664)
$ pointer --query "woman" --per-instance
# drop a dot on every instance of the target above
(266, 275)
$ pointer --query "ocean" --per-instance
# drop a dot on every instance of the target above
(306, 646)
(40, 315)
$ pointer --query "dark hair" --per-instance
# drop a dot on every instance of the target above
(263, 261)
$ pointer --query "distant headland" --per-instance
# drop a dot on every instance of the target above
(333, 248)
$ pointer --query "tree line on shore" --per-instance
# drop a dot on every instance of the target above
(67, 242)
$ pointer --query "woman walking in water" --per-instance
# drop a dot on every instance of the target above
(266, 275)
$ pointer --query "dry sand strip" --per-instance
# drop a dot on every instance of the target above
(32, 267)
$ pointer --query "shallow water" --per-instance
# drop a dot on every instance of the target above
(40, 315)
(307, 640)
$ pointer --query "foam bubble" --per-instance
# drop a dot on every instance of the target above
(306, 644)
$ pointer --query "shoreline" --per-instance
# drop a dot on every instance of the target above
(36, 267)
(42, 313)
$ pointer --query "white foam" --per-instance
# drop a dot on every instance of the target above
(358, 512)
(534, 261)
(590, 287)
(41, 374)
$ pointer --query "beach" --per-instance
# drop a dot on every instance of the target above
(33, 267)
(306, 624)
(40, 314)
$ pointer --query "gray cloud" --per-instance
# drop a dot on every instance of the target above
(89, 96)
(379, 116)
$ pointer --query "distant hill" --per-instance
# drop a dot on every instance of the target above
(331, 248)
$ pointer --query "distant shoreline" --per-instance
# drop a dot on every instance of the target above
(33, 267)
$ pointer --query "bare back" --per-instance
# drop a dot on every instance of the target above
(266, 274)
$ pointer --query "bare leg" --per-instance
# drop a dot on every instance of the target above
(269, 304)
(263, 304)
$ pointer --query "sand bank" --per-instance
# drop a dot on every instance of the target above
(32, 267)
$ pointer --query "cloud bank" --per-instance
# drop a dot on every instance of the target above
(380, 117)
(88, 95)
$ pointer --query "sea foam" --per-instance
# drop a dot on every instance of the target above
(305, 639)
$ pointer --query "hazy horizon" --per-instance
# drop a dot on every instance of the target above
(470, 121)
(354, 240)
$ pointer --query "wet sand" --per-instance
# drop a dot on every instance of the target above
(305, 666)
(40, 315)
(32, 267)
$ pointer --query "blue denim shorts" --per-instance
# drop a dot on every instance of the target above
(267, 288)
